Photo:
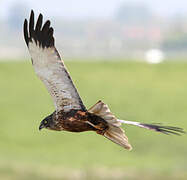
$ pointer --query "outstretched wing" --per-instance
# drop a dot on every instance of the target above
(48, 65)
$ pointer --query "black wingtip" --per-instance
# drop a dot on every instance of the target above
(41, 15)
(165, 129)
(38, 26)
(41, 35)
(25, 30)
(32, 14)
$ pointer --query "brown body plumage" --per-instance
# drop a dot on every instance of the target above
(70, 113)
(78, 121)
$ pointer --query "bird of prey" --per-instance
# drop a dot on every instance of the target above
(70, 113)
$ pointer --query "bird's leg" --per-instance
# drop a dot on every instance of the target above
(95, 126)
(101, 132)
(99, 128)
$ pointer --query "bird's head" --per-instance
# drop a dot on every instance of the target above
(47, 122)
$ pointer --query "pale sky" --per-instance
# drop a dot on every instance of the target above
(92, 8)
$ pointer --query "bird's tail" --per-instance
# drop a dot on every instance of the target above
(117, 135)
(156, 127)
(114, 132)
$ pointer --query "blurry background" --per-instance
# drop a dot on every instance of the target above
(96, 29)
(106, 45)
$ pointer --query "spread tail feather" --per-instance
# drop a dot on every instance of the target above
(114, 132)
(156, 127)
(117, 135)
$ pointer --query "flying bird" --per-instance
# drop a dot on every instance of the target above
(70, 113)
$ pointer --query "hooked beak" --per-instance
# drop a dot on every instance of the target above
(41, 127)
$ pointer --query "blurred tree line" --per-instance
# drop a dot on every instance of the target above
(134, 13)
(176, 37)
(133, 30)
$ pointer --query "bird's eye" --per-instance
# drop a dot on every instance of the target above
(45, 122)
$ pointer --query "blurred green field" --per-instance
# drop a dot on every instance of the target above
(133, 91)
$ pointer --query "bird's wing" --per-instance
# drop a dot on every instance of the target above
(48, 65)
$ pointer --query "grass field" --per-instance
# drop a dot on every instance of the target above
(133, 91)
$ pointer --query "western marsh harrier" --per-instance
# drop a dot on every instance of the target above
(70, 113)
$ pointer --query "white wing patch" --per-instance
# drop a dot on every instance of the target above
(51, 70)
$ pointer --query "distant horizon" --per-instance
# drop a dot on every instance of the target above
(94, 9)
